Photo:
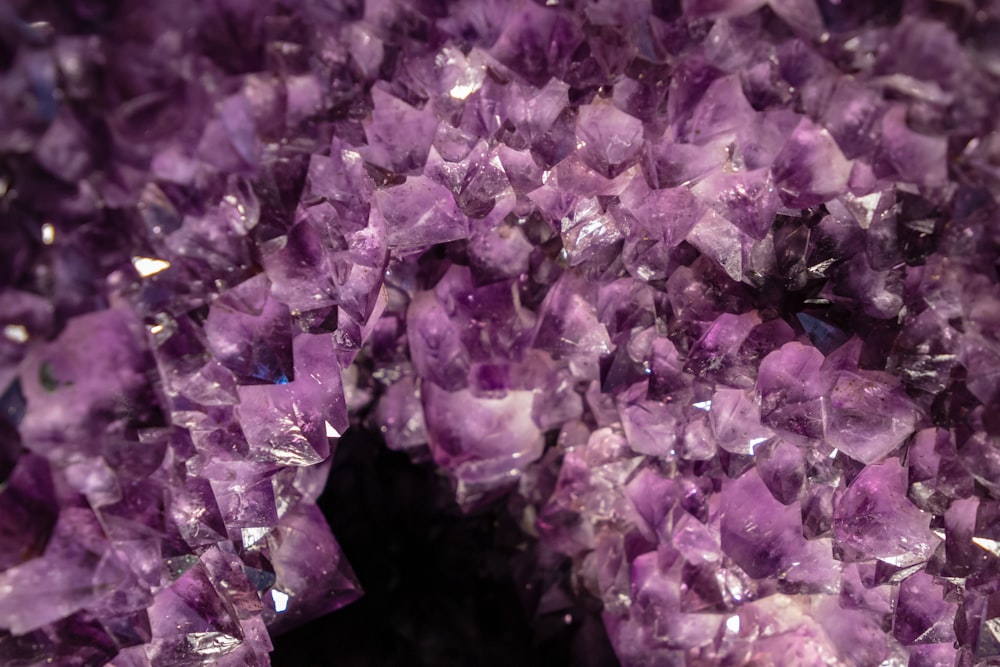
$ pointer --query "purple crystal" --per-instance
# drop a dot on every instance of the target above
(312, 577)
(420, 213)
(922, 616)
(488, 450)
(865, 434)
(912, 157)
(399, 135)
(811, 168)
(79, 385)
(764, 538)
(704, 292)
(793, 391)
(612, 139)
(30, 509)
(77, 571)
(873, 518)
(250, 332)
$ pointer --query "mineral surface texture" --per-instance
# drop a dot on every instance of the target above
(705, 291)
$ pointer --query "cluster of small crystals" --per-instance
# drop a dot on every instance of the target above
(707, 289)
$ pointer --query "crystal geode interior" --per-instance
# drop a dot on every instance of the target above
(704, 291)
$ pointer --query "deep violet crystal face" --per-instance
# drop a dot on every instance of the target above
(704, 294)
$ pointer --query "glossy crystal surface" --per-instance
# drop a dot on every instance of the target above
(705, 292)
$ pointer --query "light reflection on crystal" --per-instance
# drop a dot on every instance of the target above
(212, 643)
(992, 546)
(733, 624)
(280, 600)
(149, 266)
(16, 333)
(252, 536)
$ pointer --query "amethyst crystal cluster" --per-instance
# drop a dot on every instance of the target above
(705, 291)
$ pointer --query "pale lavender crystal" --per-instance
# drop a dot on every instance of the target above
(612, 139)
(852, 117)
(716, 354)
(761, 139)
(650, 426)
(811, 168)
(435, 343)
(588, 231)
(78, 570)
(195, 510)
(493, 447)
(747, 199)
(782, 467)
(568, 328)
(724, 243)
(399, 135)
(79, 385)
(522, 171)
(658, 215)
(873, 518)
(861, 432)
(282, 424)
(765, 538)
(721, 109)
(420, 213)
(794, 392)
(922, 616)
(299, 263)
(401, 417)
(250, 333)
(536, 41)
(668, 164)
(910, 156)
(499, 252)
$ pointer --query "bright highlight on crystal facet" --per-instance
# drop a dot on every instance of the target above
(252, 536)
(16, 333)
(280, 600)
(149, 266)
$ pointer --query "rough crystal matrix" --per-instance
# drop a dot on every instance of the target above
(707, 291)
